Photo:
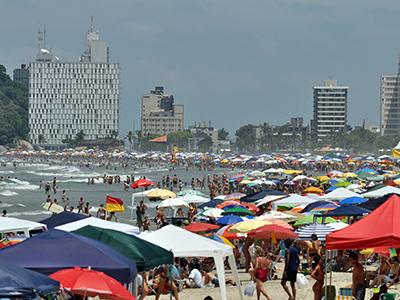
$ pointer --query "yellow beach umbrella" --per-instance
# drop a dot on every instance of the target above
(323, 178)
(292, 172)
(248, 225)
(313, 190)
(245, 181)
(161, 194)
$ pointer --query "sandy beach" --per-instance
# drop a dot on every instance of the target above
(340, 280)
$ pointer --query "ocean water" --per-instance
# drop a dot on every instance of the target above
(21, 197)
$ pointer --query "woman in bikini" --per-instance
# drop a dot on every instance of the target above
(318, 274)
(260, 272)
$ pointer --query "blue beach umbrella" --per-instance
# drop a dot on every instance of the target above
(229, 219)
(353, 201)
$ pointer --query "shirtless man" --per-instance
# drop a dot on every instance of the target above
(358, 277)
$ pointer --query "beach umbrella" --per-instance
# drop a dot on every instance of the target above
(321, 230)
(146, 255)
(161, 194)
(90, 283)
(172, 203)
(190, 192)
(257, 174)
(210, 204)
(229, 219)
(248, 225)
(229, 203)
(17, 282)
(212, 213)
(276, 222)
(261, 195)
(352, 201)
(141, 183)
(221, 239)
(194, 199)
(318, 204)
(241, 211)
(313, 190)
(201, 227)
(62, 218)
(311, 219)
(272, 232)
(234, 196)
(224, 231)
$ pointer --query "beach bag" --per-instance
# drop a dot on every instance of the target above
(249, 289)
(301, 281)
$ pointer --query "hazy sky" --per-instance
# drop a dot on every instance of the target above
(229, 61)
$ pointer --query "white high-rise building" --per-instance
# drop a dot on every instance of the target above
(390, 104)
(330, 109)
(67, 98)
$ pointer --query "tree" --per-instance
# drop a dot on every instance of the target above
(13, 109)
(223, 134)
(246, 138)
(79, 137)
(180, 138)
(41, 139)
(205, 143)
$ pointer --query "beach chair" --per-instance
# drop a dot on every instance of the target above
(345, 297)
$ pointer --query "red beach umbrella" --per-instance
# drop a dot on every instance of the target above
(272, 232)
(142, 183)
(90, 283)
(201, 227)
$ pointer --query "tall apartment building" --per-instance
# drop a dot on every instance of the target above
(160, 116)
(390, 104)
(330, 109)
(21, 75)
(66, 98)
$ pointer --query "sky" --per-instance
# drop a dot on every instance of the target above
(232, 62)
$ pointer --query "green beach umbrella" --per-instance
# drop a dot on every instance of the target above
(191, 192)
(310, 219)
(146, 255)
(343, 184)
(241, 211)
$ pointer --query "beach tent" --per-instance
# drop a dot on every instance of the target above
(146, 255)
(346, 211)
(293, 200)
(381, 192)
(184, 243)
(339, 194)
(62, 218)
(92, 221)
(53, 250)
(25, 284)
(381, 228)
(20, 226)
(260, 195)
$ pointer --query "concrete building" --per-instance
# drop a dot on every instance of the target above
(21, 75)
(330, 109)
(390, 104)
(160, 116)
(66, 98)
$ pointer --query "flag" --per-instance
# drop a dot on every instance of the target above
(114, 204)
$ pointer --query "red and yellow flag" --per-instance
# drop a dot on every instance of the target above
(114, 204)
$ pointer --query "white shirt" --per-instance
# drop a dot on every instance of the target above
(195, 275)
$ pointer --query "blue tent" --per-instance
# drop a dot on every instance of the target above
(62, 218)
(353, 200)
(53, 250)
(260, 195)
(22, 283)
(347, 211)
(229, 219)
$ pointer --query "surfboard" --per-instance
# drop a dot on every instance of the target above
(53, 207)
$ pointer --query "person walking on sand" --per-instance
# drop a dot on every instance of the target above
(260, 272)
(358, 277)
(318, 274)
(292, 262)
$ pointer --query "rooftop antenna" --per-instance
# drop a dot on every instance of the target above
(40, 39)
(91, 24)
(44, 37)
